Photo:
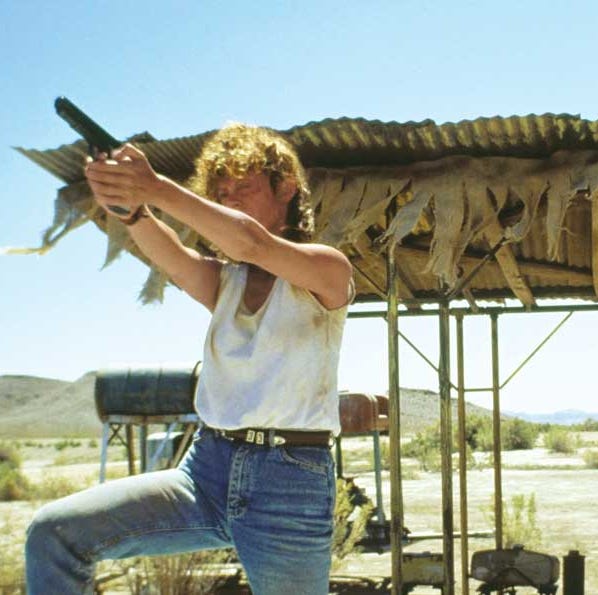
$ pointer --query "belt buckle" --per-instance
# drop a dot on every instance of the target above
(274, 439)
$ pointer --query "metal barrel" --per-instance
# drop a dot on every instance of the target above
(573, 573)
(146, 391)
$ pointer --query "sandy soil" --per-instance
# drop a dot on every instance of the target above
(564, 489)
(565, 500)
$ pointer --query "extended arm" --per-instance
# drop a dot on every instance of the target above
(130, 181)
(193, 273)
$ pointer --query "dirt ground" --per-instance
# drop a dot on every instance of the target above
(564, 489)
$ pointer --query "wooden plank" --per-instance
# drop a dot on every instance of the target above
(363, 278)
(553, 273)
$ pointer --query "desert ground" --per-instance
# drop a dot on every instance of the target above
(564, 490)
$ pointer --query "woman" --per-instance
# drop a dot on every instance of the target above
(259, 475)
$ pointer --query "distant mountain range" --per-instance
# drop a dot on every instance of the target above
(566, 417)
(32, 407)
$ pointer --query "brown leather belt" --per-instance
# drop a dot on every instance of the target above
(271, 437)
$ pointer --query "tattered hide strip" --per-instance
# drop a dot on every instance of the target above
(317, 185)
(378, 193)
(406, 218)
(349, 201)
(569, 174)
(345, 203)
(153, 289)
(325, 199)
(73, 207)
(467, 195)
(449, 207)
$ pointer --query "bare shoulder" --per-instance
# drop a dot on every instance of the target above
(323, 270)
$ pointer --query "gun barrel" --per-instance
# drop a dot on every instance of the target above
(92, 132)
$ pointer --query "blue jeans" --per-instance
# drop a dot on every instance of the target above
(274, 505)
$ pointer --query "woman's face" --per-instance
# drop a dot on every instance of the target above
(253, 195)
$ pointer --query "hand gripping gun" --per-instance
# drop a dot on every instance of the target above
(97, 138)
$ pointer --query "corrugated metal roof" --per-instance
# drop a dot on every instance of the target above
(365, 148)
(354, 142)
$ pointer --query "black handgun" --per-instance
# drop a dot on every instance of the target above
(97, 138)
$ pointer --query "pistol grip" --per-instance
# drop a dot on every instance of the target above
(93, 153)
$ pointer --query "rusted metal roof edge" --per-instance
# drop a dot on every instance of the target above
(347, 142)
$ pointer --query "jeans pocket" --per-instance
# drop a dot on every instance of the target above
(310, 458)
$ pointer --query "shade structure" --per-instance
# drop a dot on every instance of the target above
(520, 189)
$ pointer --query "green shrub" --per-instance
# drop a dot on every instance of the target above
(559, 439)
(425, 447)
(67, 443)
(478, 433)
(519, 522)
(590, 458)
(9, 455)
(13, 484)
(517, 434)
(589, 425)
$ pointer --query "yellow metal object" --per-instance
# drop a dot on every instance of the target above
(423, 569)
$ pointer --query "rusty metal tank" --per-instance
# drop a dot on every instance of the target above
(146, 391)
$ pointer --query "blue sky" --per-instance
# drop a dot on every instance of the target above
(184, 67)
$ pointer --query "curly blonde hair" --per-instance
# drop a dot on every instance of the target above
(239, 149)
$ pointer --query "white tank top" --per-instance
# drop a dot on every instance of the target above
(276, 368)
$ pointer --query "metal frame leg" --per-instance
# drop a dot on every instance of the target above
(104, 452)
(154, 460)
(378, 475)
(339, 457)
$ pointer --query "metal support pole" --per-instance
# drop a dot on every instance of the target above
(104, 453)
(380, 516)
(496, 434)
(339, 457)
(462, 459)
(394, 422)
(446, 450)
(156, 456)
(143, 447)
(129, 434)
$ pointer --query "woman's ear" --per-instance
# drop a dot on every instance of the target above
(287, 188)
